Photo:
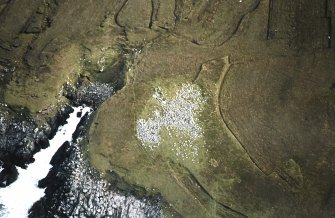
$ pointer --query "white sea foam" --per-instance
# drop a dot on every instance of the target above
(16, 199)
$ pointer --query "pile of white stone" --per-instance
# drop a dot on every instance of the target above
(179, 117)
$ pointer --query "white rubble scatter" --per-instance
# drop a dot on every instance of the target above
(16, 199)
(175, 115)
(148, 131)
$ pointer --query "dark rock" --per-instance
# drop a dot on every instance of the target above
(59, 120)
(20, 139)
(17, 144)
(60, 155)
(39, 209)
(8, 175)
(274, 102)
(42, 140)
(91, 94)
(74, 189)
(81, 129)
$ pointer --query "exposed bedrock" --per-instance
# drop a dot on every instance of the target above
(73, 188)
(222, 108)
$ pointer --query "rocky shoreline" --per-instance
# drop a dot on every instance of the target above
(73, 188)
(71, 180)
(20, 139)
(258, 141)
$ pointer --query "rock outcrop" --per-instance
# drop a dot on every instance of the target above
(256, 141)
(74, 189)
